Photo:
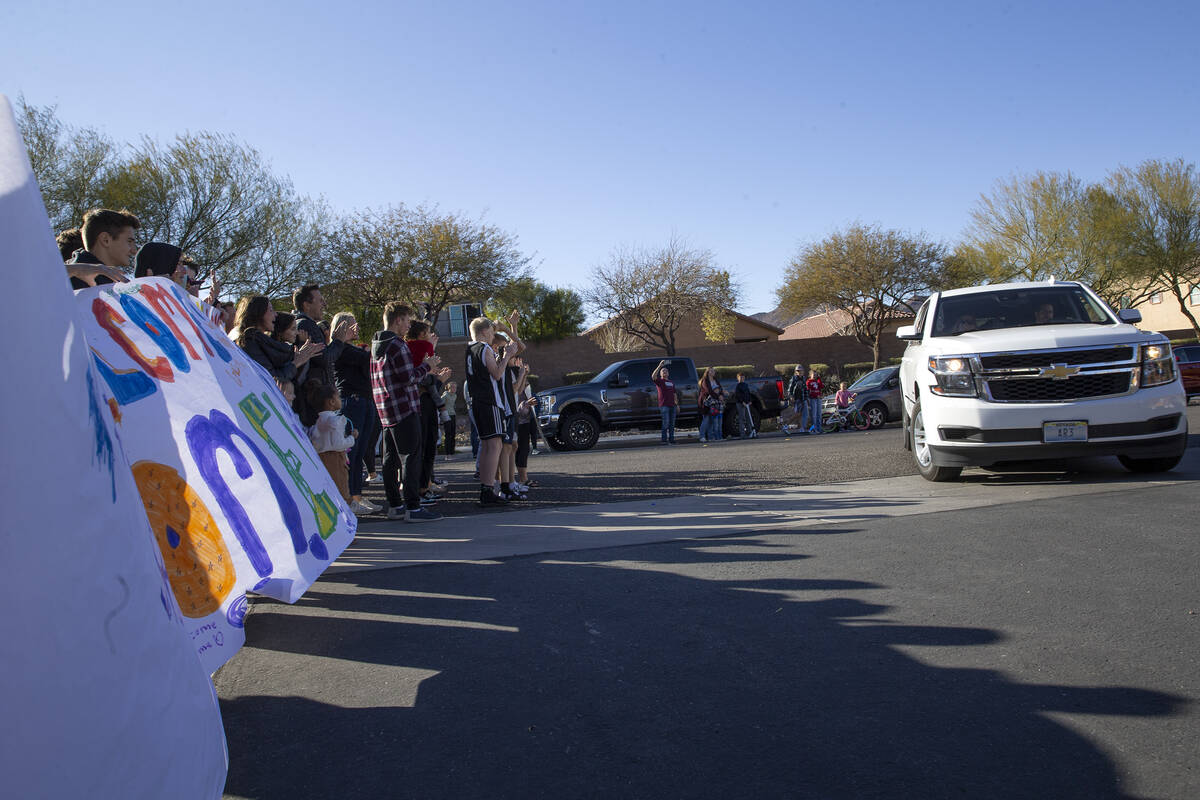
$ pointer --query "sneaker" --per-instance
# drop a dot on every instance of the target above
(360, 509)
(476, 475)
(534, 452)
(421, 515)
(437, 484)
(703, 439)
(373, 477)
(371, 508)
(489, 497)
(429, 498)
(396, 512)
(518, 487)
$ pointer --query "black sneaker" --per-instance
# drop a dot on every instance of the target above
(489, 497)
(429, 499)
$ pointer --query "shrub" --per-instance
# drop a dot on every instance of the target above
(854, 371)
(579, 377)
(822, 369)
(730, 372)
(786, 369)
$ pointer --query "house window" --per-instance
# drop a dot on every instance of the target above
(1156, 298)
(460, 317)
(1194, 297)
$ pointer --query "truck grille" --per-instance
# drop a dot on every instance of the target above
(1049, 390)
(1046, 358)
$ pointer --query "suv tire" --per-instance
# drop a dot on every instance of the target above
(1149, 464)
(923, 456)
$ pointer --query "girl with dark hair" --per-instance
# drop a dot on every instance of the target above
(254, 322)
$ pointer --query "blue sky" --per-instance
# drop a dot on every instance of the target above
(745, 128)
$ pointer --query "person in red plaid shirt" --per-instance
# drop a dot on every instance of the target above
(394, 381)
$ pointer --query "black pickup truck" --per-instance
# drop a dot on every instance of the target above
(623, 397)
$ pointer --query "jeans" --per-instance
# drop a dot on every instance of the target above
(402, 462)
(359, 410)
(813, 414)
(474, 437)
(718, 428)
(709, 426)
(669, 413)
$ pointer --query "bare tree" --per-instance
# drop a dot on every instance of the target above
(651, 294)
(72, 165)
(870, 273)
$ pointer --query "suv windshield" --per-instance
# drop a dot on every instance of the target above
(1015, 308)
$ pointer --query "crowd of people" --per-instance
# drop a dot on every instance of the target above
(349, 397)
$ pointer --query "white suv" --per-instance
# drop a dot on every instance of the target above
(1020, 371)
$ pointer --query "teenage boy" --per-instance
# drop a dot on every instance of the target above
(667, 406)
(484, 377)
(741, 394)
(109, 238)
(394, 380)
(797, 395)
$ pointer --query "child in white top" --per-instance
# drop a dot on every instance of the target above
(332, 435)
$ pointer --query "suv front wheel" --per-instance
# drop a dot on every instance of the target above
(923, 455)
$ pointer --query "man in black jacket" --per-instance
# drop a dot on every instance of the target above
(310, 307)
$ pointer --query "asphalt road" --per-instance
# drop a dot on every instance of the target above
(640, 468)
(1030, 649)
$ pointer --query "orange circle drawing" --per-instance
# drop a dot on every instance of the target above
(199, 566)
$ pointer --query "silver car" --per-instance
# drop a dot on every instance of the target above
(878, 395)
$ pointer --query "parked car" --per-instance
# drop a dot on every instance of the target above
(1024, 371)
(623, 397)
(878, 395)
(1187, 358)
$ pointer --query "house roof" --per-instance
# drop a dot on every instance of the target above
(757, 322)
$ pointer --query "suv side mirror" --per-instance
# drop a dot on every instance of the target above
(908, 332)
(1130, 315)
(893, 382)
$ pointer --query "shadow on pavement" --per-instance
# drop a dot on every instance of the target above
(682, 669)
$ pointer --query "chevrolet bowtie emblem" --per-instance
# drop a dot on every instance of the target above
(1059, 372)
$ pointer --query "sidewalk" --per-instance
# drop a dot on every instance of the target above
(514, 532)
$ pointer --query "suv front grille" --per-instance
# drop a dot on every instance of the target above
(1048, 358)
(1049, 390)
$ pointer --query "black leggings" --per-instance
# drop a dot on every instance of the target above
(525, 434)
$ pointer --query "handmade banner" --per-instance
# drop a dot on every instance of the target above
(236, 496)
(102, 695)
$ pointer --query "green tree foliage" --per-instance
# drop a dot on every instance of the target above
(650, 294)
(219, 200)
(866, 271)
(1161, 202)
(718, 324)
(213, 196)
(426, 257)
(546, 314)
(1049, 225)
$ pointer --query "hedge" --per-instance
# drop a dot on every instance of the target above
(728, 372)
(579, 377)
(786, 369)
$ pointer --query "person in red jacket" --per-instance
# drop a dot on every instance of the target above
(815, 388)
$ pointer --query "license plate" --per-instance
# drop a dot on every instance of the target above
(1064, 432)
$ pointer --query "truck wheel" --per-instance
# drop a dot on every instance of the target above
(1150, 464)
(924, 456)
(876, 414)
(580, 431)
(554, 443)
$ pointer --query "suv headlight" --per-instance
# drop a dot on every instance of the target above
(546, 403)
(1158, 365)
(955, 376)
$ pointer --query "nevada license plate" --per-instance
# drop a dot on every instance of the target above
(1064, 432)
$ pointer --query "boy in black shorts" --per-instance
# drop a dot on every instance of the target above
(484, 374)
